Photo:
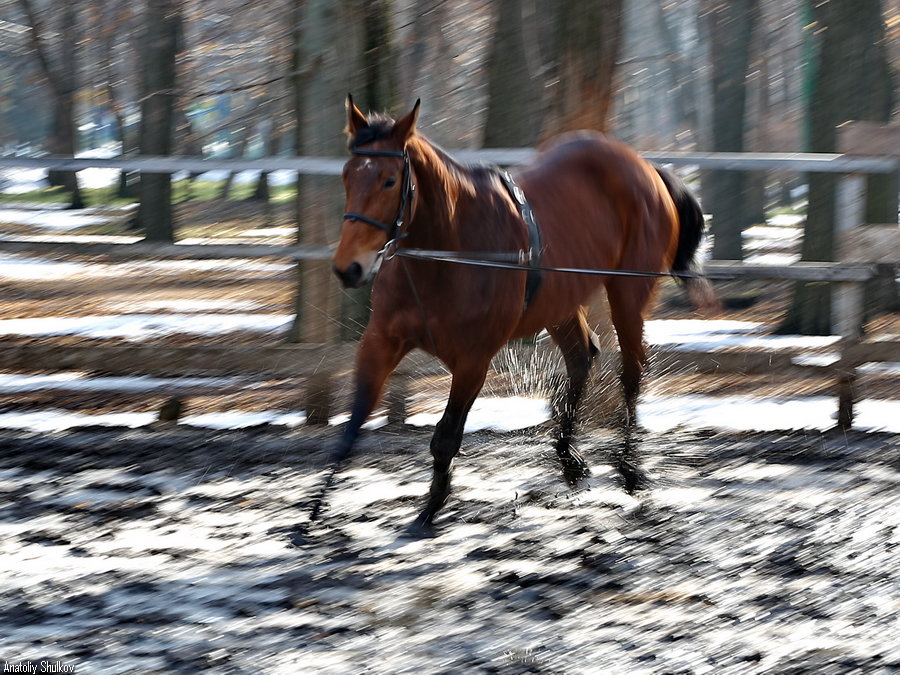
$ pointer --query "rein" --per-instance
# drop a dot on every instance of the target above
(522, 261)
(526, 261)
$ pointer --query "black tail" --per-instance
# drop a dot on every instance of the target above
(690, 234)
(690, 221)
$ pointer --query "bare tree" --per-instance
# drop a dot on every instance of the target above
(680, 69)
(378, 77)
(426, 61)
(328, 44)
(58, 67)
(730, 27)
(115, 19)
(514, 81)
(583, 54)
(559, 75)
(158, 49)
(851, 81)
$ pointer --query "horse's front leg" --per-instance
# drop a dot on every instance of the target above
(446, 441)
(376, 359)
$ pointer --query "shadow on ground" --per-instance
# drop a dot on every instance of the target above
(164, 550)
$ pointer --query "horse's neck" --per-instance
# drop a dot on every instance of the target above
(443, 188)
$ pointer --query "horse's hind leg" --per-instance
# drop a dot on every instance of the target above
(573, 338)
(628, 298)
(447, 439)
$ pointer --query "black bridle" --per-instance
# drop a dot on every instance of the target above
(529, 260)
(407, 189)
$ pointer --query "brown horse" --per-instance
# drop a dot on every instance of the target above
(598, 205)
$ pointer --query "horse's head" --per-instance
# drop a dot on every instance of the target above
(378, 183)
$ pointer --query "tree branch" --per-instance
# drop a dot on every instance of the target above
(37, 42)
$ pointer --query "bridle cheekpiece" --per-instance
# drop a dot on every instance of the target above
(394, 230)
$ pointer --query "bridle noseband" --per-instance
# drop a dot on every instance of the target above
(393, 230)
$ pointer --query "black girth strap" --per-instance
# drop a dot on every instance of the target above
(533, 255)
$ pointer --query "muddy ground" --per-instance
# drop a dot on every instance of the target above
(168, 550)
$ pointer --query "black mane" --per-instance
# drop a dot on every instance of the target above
(379, 128)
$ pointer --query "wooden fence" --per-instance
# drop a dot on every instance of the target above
(862, 248)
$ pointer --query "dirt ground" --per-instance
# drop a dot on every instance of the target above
(168, 550)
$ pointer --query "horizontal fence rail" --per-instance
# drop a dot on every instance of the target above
(712, 269)
(303, 360)
(332, 166)
(146, 249)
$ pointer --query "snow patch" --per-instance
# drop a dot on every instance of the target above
(656, 413)
(138, 327)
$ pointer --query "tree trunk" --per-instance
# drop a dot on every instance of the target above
(514, 90)
(427, 63)
(730, 27)
(584, 49)
(681, 73)
(378, 93)
(379, 60)
(328, 54)
(851, 81)
(127, 183)
(588, 35)
(114, 18)
(228, 183)
(158, 80)
(262, 193)
(62, 78)
(64, 143)
(269, 133)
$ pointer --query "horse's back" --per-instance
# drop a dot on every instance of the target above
(600, 206)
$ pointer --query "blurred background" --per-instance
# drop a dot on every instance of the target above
(76, 75)
(163, 549)
(221, 78)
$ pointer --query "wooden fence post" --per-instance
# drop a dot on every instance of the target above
(397, 393)
(848, 313)
(861, 138)
(318, 398)
(847, 296)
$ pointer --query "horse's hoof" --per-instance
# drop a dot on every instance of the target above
(420, 528)
(575, 472)
(634, 478)
(574, 467)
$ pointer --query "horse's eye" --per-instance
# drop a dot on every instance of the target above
(390, 182)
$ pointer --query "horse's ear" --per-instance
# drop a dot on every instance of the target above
(356, 120)
(406, 125)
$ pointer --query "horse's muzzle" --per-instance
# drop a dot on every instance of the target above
(351, 276)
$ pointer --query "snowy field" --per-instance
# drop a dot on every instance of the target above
(657, 413)
(166, 551)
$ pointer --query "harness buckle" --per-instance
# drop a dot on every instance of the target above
(389, 250)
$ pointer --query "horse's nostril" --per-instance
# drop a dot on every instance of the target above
(351, 276)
